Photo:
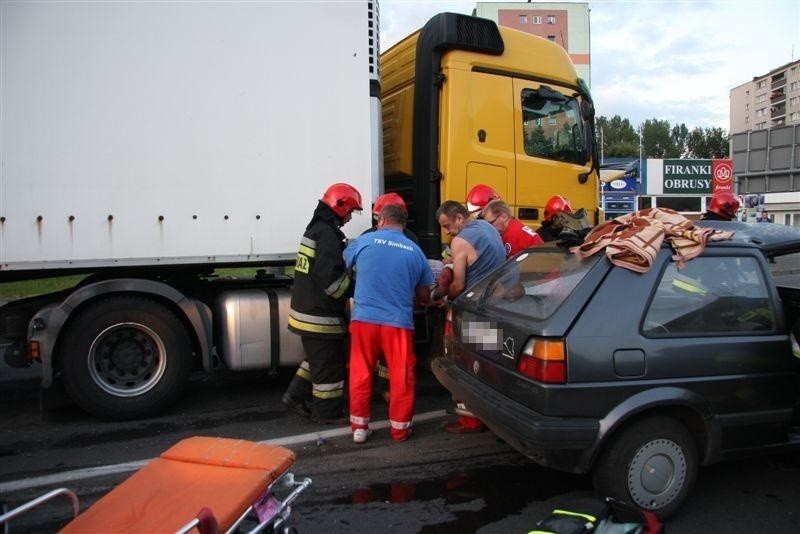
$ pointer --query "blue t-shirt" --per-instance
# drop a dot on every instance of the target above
(489, 247)
(389, 267)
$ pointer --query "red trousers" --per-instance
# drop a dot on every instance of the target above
(367, 342)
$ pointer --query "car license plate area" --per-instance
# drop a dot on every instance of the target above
(488, 339)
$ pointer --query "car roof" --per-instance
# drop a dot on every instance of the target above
(772, 239)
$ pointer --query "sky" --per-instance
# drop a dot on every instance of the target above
(666, 60)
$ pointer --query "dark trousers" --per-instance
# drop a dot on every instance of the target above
(319, 381)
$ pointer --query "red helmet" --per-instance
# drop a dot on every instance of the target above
(554, 205)
(724, 204)
(389, 199)
(479, 196)
(342, 199)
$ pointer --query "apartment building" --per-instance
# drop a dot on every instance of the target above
(566, 23)
(768, 101)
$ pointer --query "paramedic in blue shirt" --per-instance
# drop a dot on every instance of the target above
(391, 271)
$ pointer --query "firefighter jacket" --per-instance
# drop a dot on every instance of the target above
(322, 285)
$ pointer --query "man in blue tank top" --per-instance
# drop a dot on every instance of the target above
(477, 250)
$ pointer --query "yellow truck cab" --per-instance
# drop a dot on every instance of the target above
(467, 102)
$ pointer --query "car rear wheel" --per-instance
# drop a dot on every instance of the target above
(651, 463)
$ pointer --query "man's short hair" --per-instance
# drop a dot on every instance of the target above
(451, 208)
(393, 215)
(496, 207)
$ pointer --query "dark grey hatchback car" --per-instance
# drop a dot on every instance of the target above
(639, 378)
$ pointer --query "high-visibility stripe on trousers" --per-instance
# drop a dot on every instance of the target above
(319, 381)
(367, 341)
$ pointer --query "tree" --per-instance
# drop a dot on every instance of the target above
(657, 140)
(708, 143)
(619, 137)
(680, 136)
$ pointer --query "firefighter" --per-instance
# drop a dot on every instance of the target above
(516, 236)
(723, 207)
(478, 197)
(549, 230)
(392, 271)
(390, 199)
(321, 290)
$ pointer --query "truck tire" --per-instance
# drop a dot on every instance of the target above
(125, 357)
(651, 463)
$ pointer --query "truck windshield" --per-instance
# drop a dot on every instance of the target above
(552, 126)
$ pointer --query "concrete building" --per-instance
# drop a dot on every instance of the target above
(768, 101)
(765, 144)
(566, 23)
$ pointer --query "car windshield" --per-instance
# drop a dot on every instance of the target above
(532, 285)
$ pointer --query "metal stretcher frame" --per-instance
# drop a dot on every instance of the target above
(217, 482)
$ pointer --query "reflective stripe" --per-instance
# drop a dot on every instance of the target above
(317, 319)
(310, 243)
(397, 425)
(329, 387)
(338, 287)
(327, 394)
(689, 284)
(315, 328)
(587, 517)
(359, 420)
(303, 373)
(383, 371)
(305, 251)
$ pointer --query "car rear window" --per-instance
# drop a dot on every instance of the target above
(533, 285)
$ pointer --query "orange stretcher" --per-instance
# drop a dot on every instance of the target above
(200, 484)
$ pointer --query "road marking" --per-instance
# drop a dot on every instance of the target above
(104, 470)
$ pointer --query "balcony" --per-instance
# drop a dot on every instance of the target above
(777, 95)
(778, 110)
(779, 80)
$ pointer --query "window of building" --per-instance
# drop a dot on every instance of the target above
(761, 112)
(793, 70)
(747, 120)
(747, 107)
(537, 19)
(761, 125)
(794, 86)
(761, 98)
(787, 219)
(523, 19)
(562, 137)
(794, 116)
(551, 19)
(710, 295)
(552, 38)
(747, 93)
(681, 204)
(762, 84)
(795, 100)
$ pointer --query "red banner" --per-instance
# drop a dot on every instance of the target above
(721, 175)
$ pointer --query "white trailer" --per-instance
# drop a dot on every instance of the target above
(148, 143)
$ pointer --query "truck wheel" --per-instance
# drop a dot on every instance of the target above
(125, 357)
(652, 464)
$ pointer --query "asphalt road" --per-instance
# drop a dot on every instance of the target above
(433, 483)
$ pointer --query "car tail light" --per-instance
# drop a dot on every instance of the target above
(448, 322)
(544, 360)
(33, 351)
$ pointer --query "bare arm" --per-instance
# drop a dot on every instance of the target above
(423, 295)
(460, 250)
